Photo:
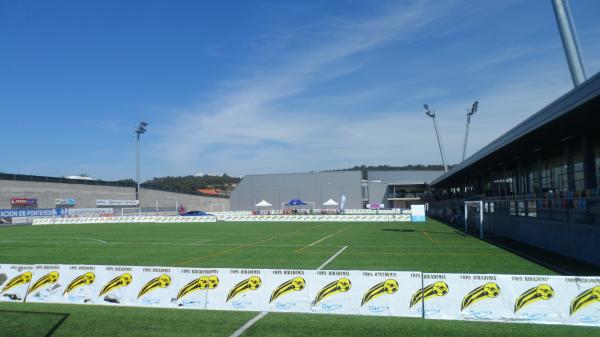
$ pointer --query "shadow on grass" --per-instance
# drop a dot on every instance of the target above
(430, 232)
(46, 330)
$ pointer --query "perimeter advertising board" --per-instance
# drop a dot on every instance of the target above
(417, 213)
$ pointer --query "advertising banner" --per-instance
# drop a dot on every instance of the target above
(65, 202)
(13, 213)
(109, 203)
(331, 291)
(239, 289)
(463, 297)
(287, 290)
(152, 287)
(553, 299)
(23, 202)
(64, 284)
(512, 298)
(387, 293)
(116, 285)
(417, 213)
(87, 212)
(14, 282)
(472, 297)
(192, 286)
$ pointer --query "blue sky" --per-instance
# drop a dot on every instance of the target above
(270, 86)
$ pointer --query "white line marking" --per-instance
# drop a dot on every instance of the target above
(258, 317)
(233, 244)
(331, 258)
(314, 243)
(325, 238)
(248, 324)
(97, 240)
(198, 242)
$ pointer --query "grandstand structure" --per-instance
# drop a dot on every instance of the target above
(539, 182)
(387, 189)
(47, 191)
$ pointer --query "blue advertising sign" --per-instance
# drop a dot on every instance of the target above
(12, 213)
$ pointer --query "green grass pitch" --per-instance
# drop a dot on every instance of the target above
(427, 247)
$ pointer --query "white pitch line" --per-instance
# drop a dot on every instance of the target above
(248, 324)
(258, 317)
(314, 243)
(198, 243)
(333, 257)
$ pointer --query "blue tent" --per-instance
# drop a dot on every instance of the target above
(295, 202)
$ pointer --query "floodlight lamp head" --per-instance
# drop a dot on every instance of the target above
(473, 108)
(141, 128)
(429, 112)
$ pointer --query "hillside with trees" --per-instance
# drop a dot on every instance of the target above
(223, 184)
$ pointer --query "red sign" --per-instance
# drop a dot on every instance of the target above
(23, 202)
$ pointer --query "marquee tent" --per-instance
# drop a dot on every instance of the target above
(295, 202)
(263, 203)
(330, 202)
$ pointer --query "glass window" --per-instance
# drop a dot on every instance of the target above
(531, 208)
(597, 166)
(578, 180)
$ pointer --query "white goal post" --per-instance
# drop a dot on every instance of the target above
(478, 203)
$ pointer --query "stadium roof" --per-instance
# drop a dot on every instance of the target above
(565, 105)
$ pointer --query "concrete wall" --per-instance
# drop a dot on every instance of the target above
(86, 195)
(317, 187)
(377, 192)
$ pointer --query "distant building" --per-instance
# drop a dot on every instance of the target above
(385, 188)
(79, 178)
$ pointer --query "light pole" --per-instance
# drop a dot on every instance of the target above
(431, 114)
(469, 114)
(568, 35)
(141, 129)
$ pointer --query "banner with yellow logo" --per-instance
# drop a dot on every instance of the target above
(14, 282)
(475, 297)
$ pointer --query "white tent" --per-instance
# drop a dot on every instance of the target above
(263, 203)
(330, 202)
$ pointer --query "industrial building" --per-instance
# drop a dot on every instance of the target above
(538, 182)
(390, 189)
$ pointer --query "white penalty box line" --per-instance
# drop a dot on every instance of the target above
(258, 317)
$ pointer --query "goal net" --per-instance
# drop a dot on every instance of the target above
(474, 217)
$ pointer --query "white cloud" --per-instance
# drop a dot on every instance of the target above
(249, 127)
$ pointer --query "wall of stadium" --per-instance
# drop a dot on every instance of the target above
(86, 195)
(315, 187)
(576, 239)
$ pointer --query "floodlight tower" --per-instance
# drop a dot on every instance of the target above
(568, 35)
(470, 113)
(431, 113)
(141, 129)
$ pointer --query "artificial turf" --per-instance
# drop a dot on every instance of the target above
(402, 246)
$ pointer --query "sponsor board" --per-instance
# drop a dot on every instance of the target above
(14, 282)
(109, 203)
(87, 212)
(65, 202)
(512, 298)
(23, 202)
(38, 212)
(417, 213)
(471, 297)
